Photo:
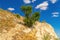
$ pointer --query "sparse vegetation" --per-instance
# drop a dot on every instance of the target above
(17, 15)
(30, 18)
(46, 37)
(56, 38)
(59, 39)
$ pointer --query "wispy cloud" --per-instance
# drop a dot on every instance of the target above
(42, 6)
(33, 1)
(55, 14)
(11, 9)
(53, 1)
(28, 1)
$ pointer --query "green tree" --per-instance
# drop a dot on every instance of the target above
(27, 10)
(35, 16)
(30, 17)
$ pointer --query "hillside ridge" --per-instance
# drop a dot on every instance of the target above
(12, 28)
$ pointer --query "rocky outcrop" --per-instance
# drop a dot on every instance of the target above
(12, 28)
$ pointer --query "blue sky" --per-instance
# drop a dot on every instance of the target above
(49, 10)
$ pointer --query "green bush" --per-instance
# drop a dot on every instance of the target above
(30, 18)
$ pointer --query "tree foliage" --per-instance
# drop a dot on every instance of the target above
(27, 10)
(30, 18)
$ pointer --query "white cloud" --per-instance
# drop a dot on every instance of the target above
(27, 1)
(55, 14)
(11, 9)
(33, 1)
(42, 6)
(53, 1)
